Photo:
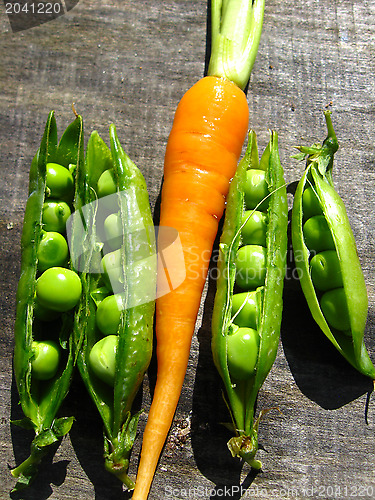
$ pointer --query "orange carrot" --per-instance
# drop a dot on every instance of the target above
(203, 150)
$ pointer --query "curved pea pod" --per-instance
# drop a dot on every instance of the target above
(244, 369)
(340, 312)
(44, 355)
(119, 289)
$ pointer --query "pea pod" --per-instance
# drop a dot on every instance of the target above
(117, 264)
(245, 333)
(331, 276)
(44, 354)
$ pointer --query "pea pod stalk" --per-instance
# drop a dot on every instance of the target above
(318, 178)
(41, 399)
(137, 279)
(242, 394)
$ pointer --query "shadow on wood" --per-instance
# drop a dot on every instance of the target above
(209, 436)
(48, 472)
(87, 438)
(319, 370)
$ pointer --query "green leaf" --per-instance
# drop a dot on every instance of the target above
(45, 438)
(315, 149)
(25, 479)
(299, 156)
(131, 433)
(25, 423)
(62, 426)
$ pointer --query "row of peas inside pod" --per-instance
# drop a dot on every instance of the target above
(248, 302)
(109, 295)
(324, 262)
(58, 288)
(326, 257)
(250, 263)
(86, 293)
(116, 255)
(49, 292)
(126, 271)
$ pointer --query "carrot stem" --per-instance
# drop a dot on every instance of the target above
(236, 27)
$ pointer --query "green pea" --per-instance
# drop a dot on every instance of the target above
(102, 359)
(243, 348)
(244, 308)
(52, 251)
(317, 234)
(59, 182)
(58, 289)
(46, 358)
(335, 309)
(112, 271)
(54, 215)
(310, 203)
(255, 228)
(107, 183)
(256, 189)
(113, 230)
(108, 314)
(250, 266)
(326, 270)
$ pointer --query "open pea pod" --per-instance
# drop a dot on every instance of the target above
(326, 256)
(248, 303)
(47, 294)
(116, 256)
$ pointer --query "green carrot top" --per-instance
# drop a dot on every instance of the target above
(236, 27)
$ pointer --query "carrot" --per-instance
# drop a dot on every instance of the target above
(203, 150)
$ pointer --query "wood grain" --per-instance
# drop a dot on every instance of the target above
(129, 63)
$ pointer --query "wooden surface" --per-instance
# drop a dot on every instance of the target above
(129, 62)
